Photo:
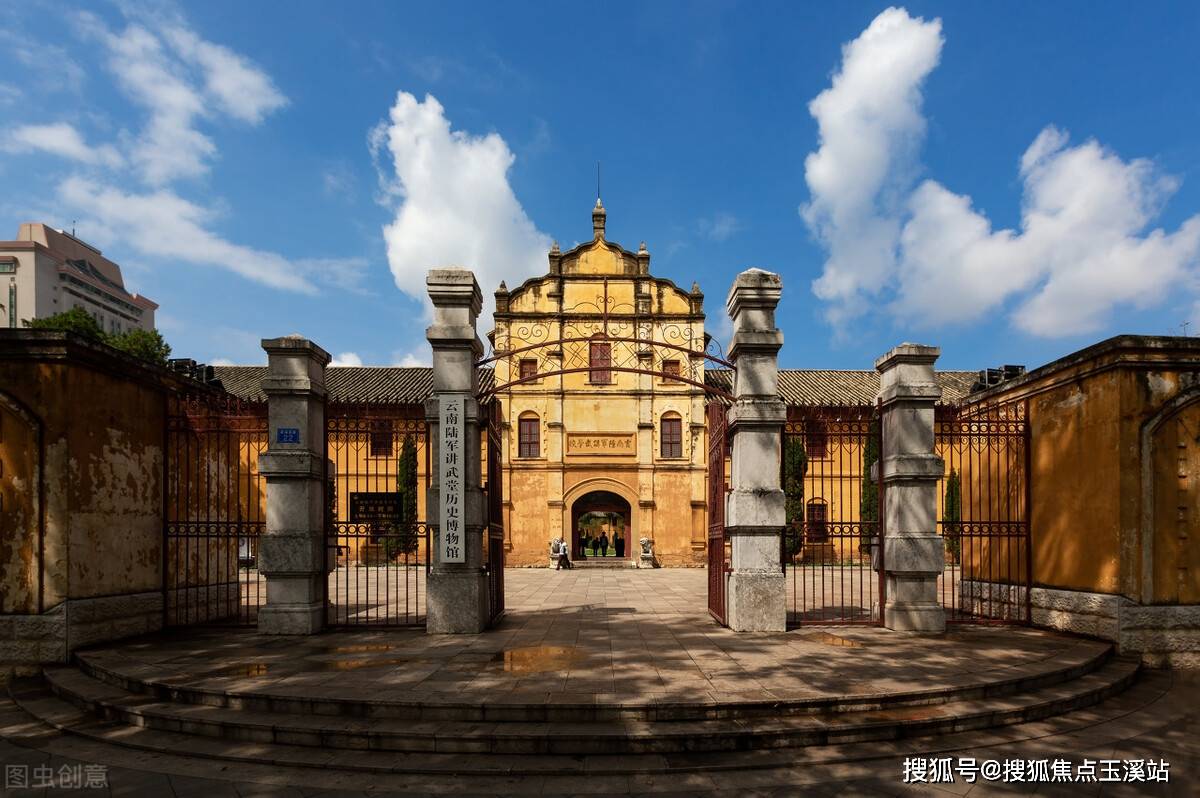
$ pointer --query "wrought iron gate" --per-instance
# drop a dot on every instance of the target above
(718, 554)
(378, 546)
(983, 514)
(214, 509)
(834, 503)
(494, 507)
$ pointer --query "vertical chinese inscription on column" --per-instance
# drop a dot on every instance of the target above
(453, 471)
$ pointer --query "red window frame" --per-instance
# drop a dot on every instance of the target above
(816, 521)
(529, 437)
(670, 438)
(816, 440)
(380, 442)
(599, 362)
(528, 368)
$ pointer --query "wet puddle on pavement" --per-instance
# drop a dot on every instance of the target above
(538, 659)
(245, 669)
(825, 638)
(320, 666)
(361, 648)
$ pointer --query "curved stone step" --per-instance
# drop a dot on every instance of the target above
(115, 738)
(1071, 664)
(139, 711)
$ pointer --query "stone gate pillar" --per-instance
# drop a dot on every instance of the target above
(291, 553)
(913, 551)
(457, 592)
(755, 515)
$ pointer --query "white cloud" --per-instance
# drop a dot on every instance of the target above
(411, 359)
(1082, 248)
(338, 181)
(179, 79)
(162, 224)
(49, 67)
(9, 94)
(870, 125)
(239, 88)
(719, 226)
(63, 140)
(346, 359)
(454, 204)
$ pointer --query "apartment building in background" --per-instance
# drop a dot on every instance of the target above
(46, 271)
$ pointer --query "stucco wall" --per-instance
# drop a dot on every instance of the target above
(102, 470)
(599, 289)
(102, 425)
(1095, 461)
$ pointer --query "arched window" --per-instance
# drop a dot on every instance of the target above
(816, 439)
(599, 360)
(529, 436)
(816, 518)
(670, 437)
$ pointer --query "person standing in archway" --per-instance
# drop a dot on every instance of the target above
(603, 544)
(619, 544)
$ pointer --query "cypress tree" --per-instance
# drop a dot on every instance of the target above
(868, 503)
(952, 514)
(404, 537)
(795, 468)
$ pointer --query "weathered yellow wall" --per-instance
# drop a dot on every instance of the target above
(1090, 415)
(599, 289)
(103, 434)
(1176, 468)
(19, 497)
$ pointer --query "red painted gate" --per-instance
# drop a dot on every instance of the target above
(718, 556)
(494, 507)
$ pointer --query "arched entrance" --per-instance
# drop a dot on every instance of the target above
(603, 496)
(601, 515)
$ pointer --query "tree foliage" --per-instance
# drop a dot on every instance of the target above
(952, 514)
(795, 468)
(143, 344)
(405, 537)
(869, 502)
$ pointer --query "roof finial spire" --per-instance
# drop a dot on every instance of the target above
(598, 216)
(597, 184)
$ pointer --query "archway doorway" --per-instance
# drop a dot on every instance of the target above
(601, 526)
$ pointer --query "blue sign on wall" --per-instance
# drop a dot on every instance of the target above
(287, 435)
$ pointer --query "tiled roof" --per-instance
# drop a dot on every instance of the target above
(395, 385)
(827, 387)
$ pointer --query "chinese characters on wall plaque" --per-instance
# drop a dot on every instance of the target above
(601, 443)
(452, 440)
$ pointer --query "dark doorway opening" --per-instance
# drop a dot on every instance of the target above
(601, 517)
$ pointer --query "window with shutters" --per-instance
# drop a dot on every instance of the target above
(671, 436)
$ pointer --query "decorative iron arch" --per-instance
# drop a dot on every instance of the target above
(559, 344)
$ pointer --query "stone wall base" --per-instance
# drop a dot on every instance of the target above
(203, 604)
(457, 602)
(1164, 635)
(29, 641)
(757, 601)
(291, 619)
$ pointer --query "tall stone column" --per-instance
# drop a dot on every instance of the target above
(755, 516)
(456, 592)
(291, 553)
(913, 551)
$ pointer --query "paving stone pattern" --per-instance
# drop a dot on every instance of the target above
(622, 634)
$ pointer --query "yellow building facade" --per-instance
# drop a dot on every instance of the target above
(599, 371)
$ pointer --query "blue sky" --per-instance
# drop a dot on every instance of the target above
(1010, 181)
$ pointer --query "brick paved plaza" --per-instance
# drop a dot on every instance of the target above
(590, 640)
